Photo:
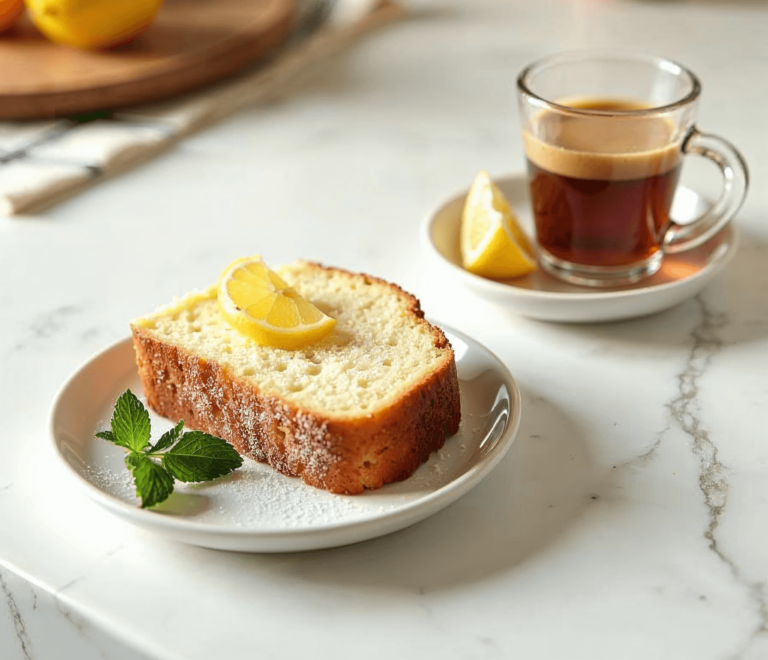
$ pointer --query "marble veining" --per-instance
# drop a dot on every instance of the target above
(42, 626)
(78, 623)
(69, 583)
(647, 456)
(47, 325)
(19, 626)
(53, 322)
(713, 475)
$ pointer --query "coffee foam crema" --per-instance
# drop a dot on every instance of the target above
(607, 147)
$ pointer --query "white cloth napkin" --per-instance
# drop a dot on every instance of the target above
(42, 162)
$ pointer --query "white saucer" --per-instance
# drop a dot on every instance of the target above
(539, 295)
(258, 509)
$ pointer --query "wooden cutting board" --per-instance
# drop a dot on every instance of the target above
(191, 42)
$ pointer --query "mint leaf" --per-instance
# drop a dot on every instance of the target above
(168, 438)
(200, 457)
(153, 483)
(196, 456)
(130, 422)
(108, 435)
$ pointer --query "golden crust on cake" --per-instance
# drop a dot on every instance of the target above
(361, 408)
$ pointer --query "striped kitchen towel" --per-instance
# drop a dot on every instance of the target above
(42, 162)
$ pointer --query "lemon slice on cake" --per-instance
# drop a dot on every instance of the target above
(491, 241)
(259, 304)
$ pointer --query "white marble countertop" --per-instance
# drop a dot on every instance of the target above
(628, 519)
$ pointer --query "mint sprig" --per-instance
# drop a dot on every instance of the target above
(186, 456)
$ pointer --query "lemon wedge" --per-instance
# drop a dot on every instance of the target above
(259, 304)
(491, 241)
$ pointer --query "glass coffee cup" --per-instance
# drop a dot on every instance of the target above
(605, 136)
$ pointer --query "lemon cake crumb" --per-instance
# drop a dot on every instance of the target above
(361, 407)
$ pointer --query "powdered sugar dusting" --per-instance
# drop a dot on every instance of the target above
(254, 496)
(116, 482)
(258, 496)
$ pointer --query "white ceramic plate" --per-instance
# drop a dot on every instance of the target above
(257, 509)
(539, 295)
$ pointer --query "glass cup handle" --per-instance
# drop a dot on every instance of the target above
(735, 183)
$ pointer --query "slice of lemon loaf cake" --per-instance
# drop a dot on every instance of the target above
(359, 408)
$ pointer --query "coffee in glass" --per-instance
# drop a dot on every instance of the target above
(603, 168)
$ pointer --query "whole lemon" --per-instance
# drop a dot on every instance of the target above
(10, 11)
(92, 24)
